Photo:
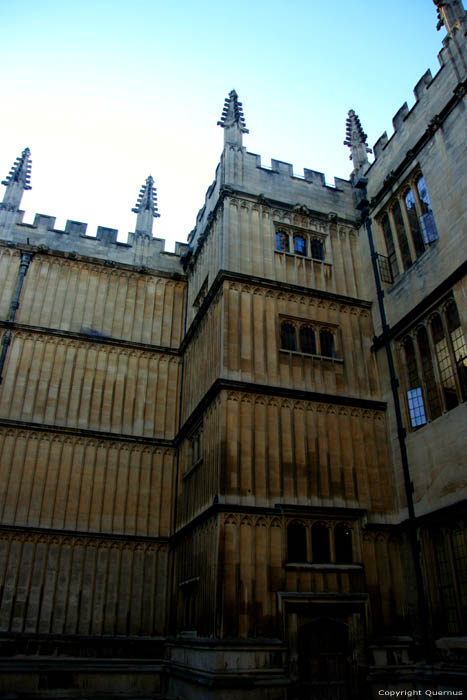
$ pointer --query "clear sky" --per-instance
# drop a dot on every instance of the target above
(106, 92)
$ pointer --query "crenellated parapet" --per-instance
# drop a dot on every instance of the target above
(436, 98)
(138, 250)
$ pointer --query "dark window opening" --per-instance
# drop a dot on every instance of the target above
(343, 544)
(391, 251)
(320, 544)
(326, 340)
(401, 236)
(307, 340)
(317, 249)
(296, 543)
(444, 363)
(288, 337)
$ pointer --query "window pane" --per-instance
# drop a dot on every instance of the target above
(444, 363)
(296, 543)
(402, 236)
(326, 339)
(413, 222)
(343, 544)
(416, 407)
(307, 340)
(423, 195)
(299, 245)
(320, 543)
(391, 251)
(288, 337)
(432, 395)
(427, 221)
(282, 242)
(317, 249)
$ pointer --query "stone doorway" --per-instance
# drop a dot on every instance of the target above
(323, 667)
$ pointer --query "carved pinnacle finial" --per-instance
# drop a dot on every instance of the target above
(17, 180)
(232, 119)
(356, 139)
(450, 13)
(146, 207)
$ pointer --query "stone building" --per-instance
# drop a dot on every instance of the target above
(237, 470)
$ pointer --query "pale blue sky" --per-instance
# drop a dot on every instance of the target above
(105, 92)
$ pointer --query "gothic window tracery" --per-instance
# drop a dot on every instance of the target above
(308, 338)
(435, 365)
(408, 224)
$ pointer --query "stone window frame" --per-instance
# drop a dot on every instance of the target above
(330, 526)
(318, 327)
(441, 372)
(406, 244)
(194, 451)
(291, 232)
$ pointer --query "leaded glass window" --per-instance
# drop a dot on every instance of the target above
(401, 236)
(414, 224)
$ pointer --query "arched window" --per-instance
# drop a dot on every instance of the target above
(307, 340)
(296, 543)
(458, 344)
(299, 245)
(326, 340)
(414, 393)
(423, 195)
(343, 544)
(282, 242)
(427, 220)
(409, 200)
(288, 336)
(401, 236)
(444, 363)
(320, 544)
(432, 396)
(391, 251)
(317, 249)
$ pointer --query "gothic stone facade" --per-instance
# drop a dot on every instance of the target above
(202, 491)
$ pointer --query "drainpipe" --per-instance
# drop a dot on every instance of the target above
(363, 206)
(6, 340)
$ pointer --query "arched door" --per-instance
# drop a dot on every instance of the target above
(322, 660)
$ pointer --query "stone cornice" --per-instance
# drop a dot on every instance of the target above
(294, 398)
(419, 310)
(83, 433)
(256, 284)
(73, 257)
(80, 537)
(88, 338)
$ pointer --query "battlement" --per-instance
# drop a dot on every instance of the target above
(140, 249)
(242, 171)
(433, 95)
